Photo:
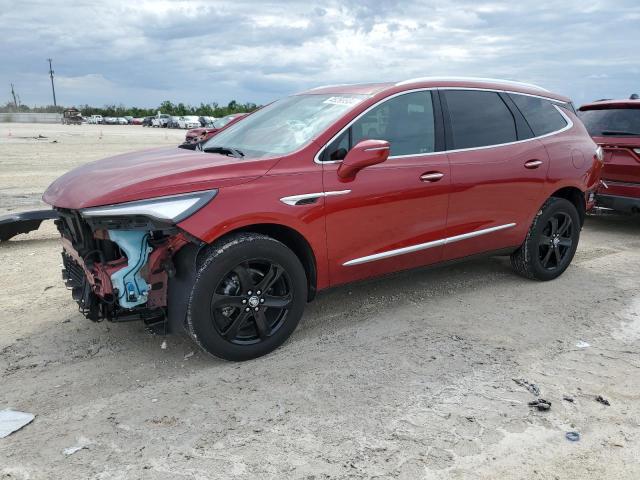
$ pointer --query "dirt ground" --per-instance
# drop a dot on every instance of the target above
(408, 377)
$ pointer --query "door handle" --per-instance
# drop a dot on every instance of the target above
(531, 164)
(431, 176)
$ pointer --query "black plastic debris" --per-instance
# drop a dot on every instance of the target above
(572, 436)
(23, 222)
(569, 399)
(602, 400)
(541, 404)
(532, 387)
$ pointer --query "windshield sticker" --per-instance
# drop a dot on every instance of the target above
(342, 100)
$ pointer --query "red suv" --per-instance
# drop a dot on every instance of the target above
(330, 186)
(615, 126)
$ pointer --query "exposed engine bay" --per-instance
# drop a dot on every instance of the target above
(118, 268)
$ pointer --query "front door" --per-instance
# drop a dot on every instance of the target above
(391, 216)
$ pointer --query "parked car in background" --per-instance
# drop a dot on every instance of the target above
(95, 119)
(136, 121)
(160, 121)
(146, 121)
(110, 120)
(173, 121)
(122, 121)
(330, 186)
(128, 118)
(206, 121)
(188, 121)
(197, 135)
(615, 126)
(72, 116)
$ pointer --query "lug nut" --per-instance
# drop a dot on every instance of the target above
(249, 292)
(247, 309)
(256, 309)
(262, 300)
(258, 292)
(244, 301)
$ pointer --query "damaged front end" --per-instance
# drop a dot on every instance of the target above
(118, 260)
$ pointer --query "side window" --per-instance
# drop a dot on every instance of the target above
(405, 121)
(540, 114)
(479, 119)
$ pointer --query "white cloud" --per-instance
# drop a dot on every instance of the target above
(144, 52)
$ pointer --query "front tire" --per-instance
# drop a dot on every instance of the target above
(248, 297)
(551, 242)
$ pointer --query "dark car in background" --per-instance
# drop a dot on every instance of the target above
(615, 126)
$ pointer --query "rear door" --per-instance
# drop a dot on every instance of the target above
(391, 216)
(497, 172)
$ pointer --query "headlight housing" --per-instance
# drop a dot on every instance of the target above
(173, 208)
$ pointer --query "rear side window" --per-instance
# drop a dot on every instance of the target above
(479, 119)
(541, 115)
(612, 121)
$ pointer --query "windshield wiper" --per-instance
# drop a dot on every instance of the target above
(229, 151)
(619, 132)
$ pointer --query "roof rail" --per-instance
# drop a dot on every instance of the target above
(329, 86)
(472, 79)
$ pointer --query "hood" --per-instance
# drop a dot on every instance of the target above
(148, 174)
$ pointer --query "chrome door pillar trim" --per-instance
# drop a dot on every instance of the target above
(293, 199)
(424, 246)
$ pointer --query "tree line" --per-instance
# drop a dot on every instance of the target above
(179, 109)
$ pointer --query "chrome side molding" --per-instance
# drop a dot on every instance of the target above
(424, 246)
(297, 199)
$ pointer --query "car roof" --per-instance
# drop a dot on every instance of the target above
(606, 104)
(434, 82)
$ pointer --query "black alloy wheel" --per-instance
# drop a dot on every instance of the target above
(551, 241)
(248, 296)
(556, 241)
(251, 302)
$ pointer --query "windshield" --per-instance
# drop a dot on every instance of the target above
(612, 122)
(221, 122)
(284, 126)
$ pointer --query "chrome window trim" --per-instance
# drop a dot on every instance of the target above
(424, 246)
(293, 199)
(316, 158)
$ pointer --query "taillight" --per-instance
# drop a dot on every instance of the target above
(600, 154)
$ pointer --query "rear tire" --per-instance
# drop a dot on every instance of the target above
(248, 297)
(551, 242)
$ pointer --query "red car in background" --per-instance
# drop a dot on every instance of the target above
(197, 135)
(319, 189)
(615, 126)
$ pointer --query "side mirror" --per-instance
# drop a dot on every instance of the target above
(362, 155)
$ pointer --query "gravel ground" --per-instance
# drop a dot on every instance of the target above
(407, 377)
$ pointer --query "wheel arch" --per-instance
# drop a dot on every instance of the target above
(575, 196)
(295, 241)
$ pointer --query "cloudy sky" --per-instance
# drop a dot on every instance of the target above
(142, 52)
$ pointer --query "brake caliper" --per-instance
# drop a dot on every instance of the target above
(132, 288)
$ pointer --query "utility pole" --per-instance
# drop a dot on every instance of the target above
(53, 89)
(13, 94)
